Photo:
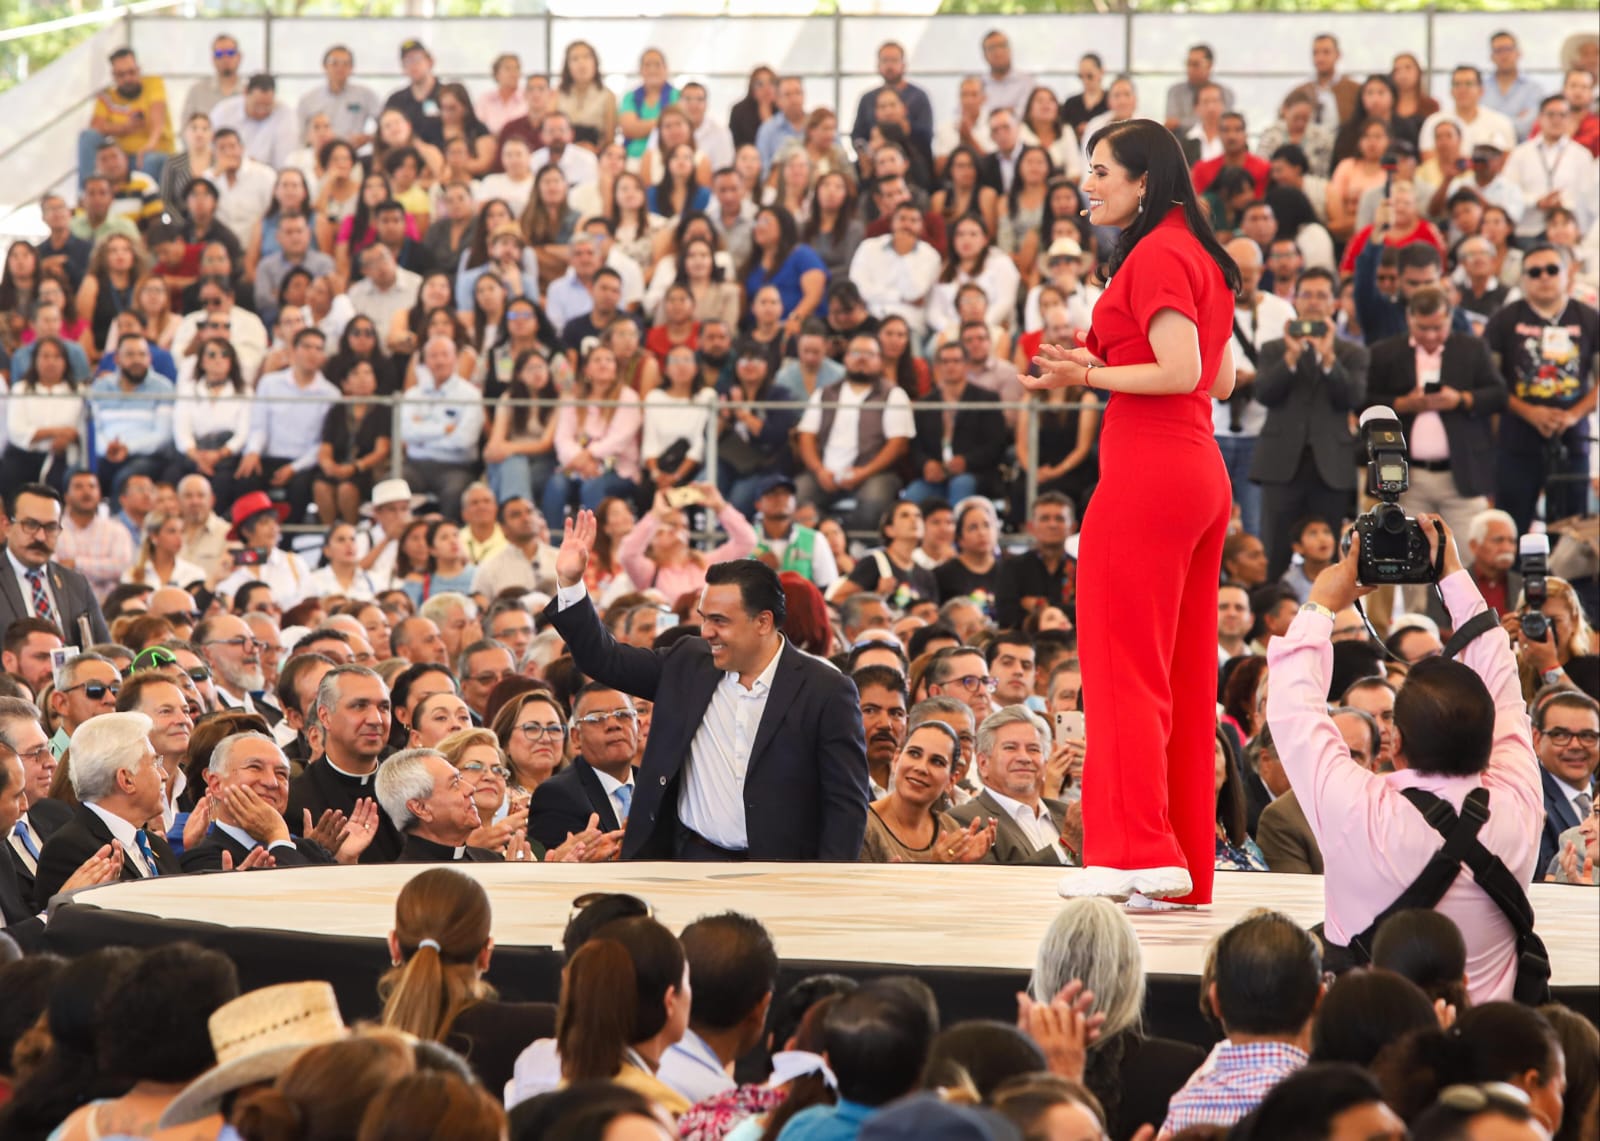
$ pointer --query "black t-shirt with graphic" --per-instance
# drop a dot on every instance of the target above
(1544, 362)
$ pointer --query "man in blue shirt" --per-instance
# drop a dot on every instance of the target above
(131, 415)
(876, 1040)
(1508, 91)
(286, 425)
(892, 67)
(788, 123)
(439, 421)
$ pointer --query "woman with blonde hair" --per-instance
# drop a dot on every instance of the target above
(441, 948)
(159, 562)
(1566, 656)
(476, 754)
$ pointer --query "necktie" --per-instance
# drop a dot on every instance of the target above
(27, 840)
(41, 600)
(624, 795)
(147, 852)
(1583, 802)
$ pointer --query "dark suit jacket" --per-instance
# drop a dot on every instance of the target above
(979, 435)
(73, 600)
(19, 919)
(206, 856)
(47, 817)
(1465, 366)
(420, 851)
(1309, 408)
(563, 804)
(81, 837)
(1284, 836)
(805, 789)
(1010, 845)
(1558, 817)
(1346, 94)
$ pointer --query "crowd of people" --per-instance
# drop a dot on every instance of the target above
(234, 639)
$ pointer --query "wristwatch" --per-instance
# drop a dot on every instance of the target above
(1317, 608)
(1552, 675)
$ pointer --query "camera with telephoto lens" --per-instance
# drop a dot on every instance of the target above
(1393, 546)
(1535, 554)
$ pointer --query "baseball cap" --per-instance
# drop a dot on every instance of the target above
(414, 45)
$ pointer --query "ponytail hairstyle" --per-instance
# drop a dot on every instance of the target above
(323, 1094)
(614, 995)
(441, 924)
(1495, 1042)
(1145, 147)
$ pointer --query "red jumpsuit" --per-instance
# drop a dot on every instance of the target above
(1148, 564)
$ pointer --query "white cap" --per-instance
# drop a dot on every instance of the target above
(388, 491)
(1063, 248)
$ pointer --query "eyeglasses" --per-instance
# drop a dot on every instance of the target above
(35, 754)
(363, 332)
(1588, 738)
(38, 527)
(610, 715)
(1536, 271)
(198, 674)
(237, 643)
(479, 767)
(532, 730)
(973, 684)
(94, 690)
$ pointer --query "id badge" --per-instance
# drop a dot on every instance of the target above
(1555, 344)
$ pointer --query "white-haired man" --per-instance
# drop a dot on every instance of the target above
(456, 616)
(118, 781)
(431, 802)
(247, 786)
(1013, 744)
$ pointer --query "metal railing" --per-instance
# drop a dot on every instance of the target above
(400, 401)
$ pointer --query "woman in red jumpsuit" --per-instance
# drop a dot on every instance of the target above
(1151, 549)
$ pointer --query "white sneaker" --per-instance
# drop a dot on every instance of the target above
(1117, 883)
(1138, 902)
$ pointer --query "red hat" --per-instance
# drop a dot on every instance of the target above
(247, 507)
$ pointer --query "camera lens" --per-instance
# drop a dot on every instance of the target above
(1390, 517)
(1535, 626)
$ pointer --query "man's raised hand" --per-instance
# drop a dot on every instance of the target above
(577, 540)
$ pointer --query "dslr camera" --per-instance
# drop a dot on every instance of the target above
(1394, 548)
(1535, 554)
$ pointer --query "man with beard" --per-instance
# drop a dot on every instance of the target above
(94, 545)
(1492, 543)
(33, 585)
(716, 347)
(132, 113)
(132, 422)
(883, 719)
(352, 706)
(159, 699)
(853, 437)
(234, 656)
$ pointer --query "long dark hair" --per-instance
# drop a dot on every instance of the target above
(30, 382)
(952, 260)
(361, 220)
(683, 256)
(1145, 147)
(478, 244)
(847, 209)
(517, 389)
(1049, 169)
(668, 187)
(787, 240)
(417, 317)
(235, 369)
(1231, 810)
(545, 332)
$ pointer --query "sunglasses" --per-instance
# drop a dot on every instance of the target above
(95, 690)
(225, 53)
(1537, 271)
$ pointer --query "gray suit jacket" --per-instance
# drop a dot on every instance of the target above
(1285, 839)
(1309, 408)
(74, 601)
(1010, 845)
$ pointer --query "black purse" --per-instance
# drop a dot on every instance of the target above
(673, 455)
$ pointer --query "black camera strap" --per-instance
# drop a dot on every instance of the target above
(1473, 627)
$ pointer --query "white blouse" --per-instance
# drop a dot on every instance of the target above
(197, 413)
(285, 572)
(183, 573)
(48, 406)
(668, 419)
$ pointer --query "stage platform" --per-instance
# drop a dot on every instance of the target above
(971, 931)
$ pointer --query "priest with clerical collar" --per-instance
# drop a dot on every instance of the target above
(431, 802)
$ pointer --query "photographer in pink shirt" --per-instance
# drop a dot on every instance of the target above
(1459, 725)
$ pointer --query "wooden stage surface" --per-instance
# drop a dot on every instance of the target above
(908, 914)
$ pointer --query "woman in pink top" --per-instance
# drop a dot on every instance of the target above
(657, 555)
(597, 445)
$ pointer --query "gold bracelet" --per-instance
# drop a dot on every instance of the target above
(1317, 608)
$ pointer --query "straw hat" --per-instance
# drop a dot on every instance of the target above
(255, 1038)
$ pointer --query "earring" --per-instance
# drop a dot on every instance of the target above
(1141, 202)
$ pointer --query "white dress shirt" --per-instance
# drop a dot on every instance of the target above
(126, 835)
(843, 444)
(895, 284)
(1041, 830)
(578, 165)
(242, 200)
(711, 802)
(611, 784)
(1537, 168)
(693, 1069)
(28, 859)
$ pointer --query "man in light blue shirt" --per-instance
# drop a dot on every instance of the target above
(734, 969)
(789, 122)
(1508, 91)
(441, 419)
(286, 425)
(131, 415)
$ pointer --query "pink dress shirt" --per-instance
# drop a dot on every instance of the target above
(1373, 841)
(1428, 441)
(675, 582)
